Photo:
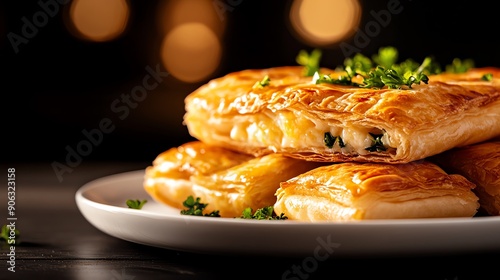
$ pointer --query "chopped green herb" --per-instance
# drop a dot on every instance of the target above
(264, 82)
(341, 142)
(136, 203)
(382, 70)
(329, 139)
(377, 145)
(264, 213)
(358, 65)
(196, 208)
(386, 57)
(309, 61)
(487, 77)
(341, 80)
(5, 234)
(380, 77)
(460, 66)
(386, 73)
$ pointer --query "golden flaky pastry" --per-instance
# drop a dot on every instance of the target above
(480, 164)
(335, 123)
(228, 181)
(362, 191)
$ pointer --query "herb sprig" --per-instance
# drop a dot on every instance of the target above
(459, 66)
(487, 77)
(330, 140)
(264, 213)
(194, 207)
(381, 70)
(263, 83)
(377, 144)
(310, 61)
(5, 234)
(136, 203)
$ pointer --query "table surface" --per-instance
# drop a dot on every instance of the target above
(56, 242)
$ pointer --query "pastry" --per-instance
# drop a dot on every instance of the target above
(226, 180)
(480, 163)
(364, 191)
(294, 116)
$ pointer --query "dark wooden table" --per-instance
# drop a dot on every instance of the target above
(56, 242)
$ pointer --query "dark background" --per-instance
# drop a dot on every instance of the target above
(57, 85)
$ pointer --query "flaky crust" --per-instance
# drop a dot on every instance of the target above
(357, 191)
(480, 163)
(228, 181)
(291, 115)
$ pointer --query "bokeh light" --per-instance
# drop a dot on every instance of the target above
(176, 12)
(191, 52)
(191, 33)
(324, 22)
(97, 20)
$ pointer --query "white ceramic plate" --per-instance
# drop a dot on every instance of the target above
(102, 203)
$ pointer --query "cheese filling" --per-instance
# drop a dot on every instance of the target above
(286, 129)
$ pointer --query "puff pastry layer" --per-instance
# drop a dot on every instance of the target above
(293, 115)
(480, 164)
(228, 181)
(362, 191)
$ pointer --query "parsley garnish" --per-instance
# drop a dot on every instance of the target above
(341, 142)
(487, 77)
(5, 234)
(264, 213)
(309, 61)
(388, 72)
(460, 66)
(264, 82)
(386, 57)
(380, 77)
(381, 70)
(196, 208)
(377, 145)
(341, 80)
(330, 140)
(136, 203)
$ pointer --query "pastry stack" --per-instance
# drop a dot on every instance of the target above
(331, 152)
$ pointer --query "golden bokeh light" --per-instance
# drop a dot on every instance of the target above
(176, 12)
(98, 20)
(324, 22)
(191, 30)
(191, 52)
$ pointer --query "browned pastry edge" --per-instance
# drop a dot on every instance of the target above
(480, 163)
(452, 110)
(225, 180)
(362, 191)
